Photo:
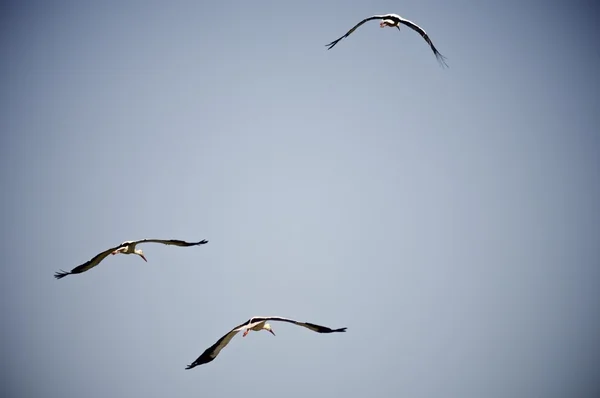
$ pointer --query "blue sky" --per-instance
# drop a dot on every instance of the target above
(448, 217)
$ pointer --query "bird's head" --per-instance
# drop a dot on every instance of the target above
(140, 253)
(268, 327)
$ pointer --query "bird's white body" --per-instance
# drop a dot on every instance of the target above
(389, 22)
(257, 327)
(128, 247)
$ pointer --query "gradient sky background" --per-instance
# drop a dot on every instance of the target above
(448, 217)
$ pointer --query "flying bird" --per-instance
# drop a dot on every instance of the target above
(256, 323)
(394, 20)
(127, 247)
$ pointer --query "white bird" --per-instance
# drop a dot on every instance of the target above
(256, 323)
(394, 20)
(127, 247)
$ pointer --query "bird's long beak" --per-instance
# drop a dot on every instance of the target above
(144, 257)
(272, 332)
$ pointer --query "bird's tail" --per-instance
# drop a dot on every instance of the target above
(61, 274)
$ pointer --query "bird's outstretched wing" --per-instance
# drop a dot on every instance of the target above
(333, 43)
(211, 352)
(172, 242)
(87, 265)
(441, 59)
(311, 326)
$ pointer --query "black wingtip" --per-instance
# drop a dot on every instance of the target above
(438, 55)
(442, 60)
(331, 45)
(203, 241)
(193, 364)
(61, 274)
(340, 330)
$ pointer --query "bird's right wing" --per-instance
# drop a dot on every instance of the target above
(88, 264)
(311, 326)
(211, 352)
(333, 43)
(425, 36)
(175, 242)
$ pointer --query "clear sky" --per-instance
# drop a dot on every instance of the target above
(449, 218)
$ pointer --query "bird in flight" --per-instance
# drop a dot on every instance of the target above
(127, 247)
(256, 323)
(394, 20)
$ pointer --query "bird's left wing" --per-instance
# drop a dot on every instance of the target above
(175, 242)
(311, 326)
(333, 43)
(211, 352)
(425, 36)
(88, 264)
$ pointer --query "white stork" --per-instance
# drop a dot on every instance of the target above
(256, 323)
(394, 20)
(127, 247)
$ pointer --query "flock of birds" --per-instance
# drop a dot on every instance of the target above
(256, 323)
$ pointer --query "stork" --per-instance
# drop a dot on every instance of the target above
(127, 247)
(256, 324)
(394, 21)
